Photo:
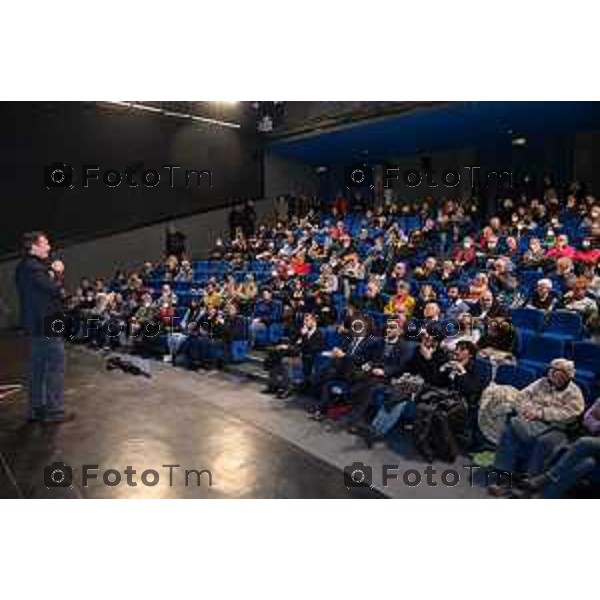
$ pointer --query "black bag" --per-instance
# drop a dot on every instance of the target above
(441, 424)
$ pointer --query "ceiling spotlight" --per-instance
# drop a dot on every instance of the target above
(519, 141)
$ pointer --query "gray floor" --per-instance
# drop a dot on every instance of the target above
(254, 445)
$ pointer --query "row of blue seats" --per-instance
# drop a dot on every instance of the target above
(184, 286)
(536, 351)
(521, 374)
(563, 325)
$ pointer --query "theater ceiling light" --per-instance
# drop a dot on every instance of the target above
(171, 113)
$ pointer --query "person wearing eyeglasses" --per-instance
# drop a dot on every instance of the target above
(545, 410)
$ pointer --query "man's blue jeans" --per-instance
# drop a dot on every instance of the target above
(46, 379)
(581, 460)
(529, 443)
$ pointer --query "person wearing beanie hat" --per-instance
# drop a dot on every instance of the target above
(545, 409)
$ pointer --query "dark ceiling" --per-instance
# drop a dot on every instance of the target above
(438, 128)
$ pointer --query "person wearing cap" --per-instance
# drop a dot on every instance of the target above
(542, 297)
(545, 410)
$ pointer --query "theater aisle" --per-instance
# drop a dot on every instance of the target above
(146, 423)
(254, 446)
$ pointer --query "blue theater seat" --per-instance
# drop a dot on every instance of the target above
(331, 337)
(564, 324)
(483, 368)
(528, 319)
(517, 376)
(239, 350)
(586, 356)
(537, 351)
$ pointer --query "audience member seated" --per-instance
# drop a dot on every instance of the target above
(302, 348)
(545, 410)
(542, 297)
(321, 262)
(401, 303)
(574, 462)
(579, 301)
(350, 364)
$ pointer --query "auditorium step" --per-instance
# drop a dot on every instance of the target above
(252, 367)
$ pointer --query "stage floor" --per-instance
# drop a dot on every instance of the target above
(253, 445)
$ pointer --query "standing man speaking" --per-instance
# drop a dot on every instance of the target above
(40, 296)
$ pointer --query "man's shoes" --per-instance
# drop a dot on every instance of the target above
(370, 440)
(67, 418)
(284, 394)
(316, 416)
(361, 429)
(268, 390)
(499, 490)
(535, 484)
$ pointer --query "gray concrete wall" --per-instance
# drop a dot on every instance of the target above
(284, 176)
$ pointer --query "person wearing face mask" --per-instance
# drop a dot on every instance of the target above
(464, 256)
(143, 322)
(501, 279)
(534, 256)
(561, 248)
(587, 253)
(545, 410)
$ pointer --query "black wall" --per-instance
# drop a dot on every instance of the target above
(37, 134)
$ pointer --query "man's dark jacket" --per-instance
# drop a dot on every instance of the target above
(40, 296)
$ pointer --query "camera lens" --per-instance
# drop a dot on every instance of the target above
(357, 476)
(61, 324)
(58, 176)
(57, 476)
(357, 176)
(358, 326)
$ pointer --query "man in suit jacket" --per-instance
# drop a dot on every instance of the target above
(39, 286)
(306, 346)
(351, 364)
(393, 360)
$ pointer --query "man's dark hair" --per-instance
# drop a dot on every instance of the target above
(30, 238)
(469, 346)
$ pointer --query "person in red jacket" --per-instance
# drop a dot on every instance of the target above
(587, 253)
(299, 264)
(466, 254)
(561, 248)
(341, 204)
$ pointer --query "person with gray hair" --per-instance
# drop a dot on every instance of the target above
(542, 297)
(544, 411)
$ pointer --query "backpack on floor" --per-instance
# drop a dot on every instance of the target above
(441, 424)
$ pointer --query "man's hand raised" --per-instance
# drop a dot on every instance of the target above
(58, 267)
